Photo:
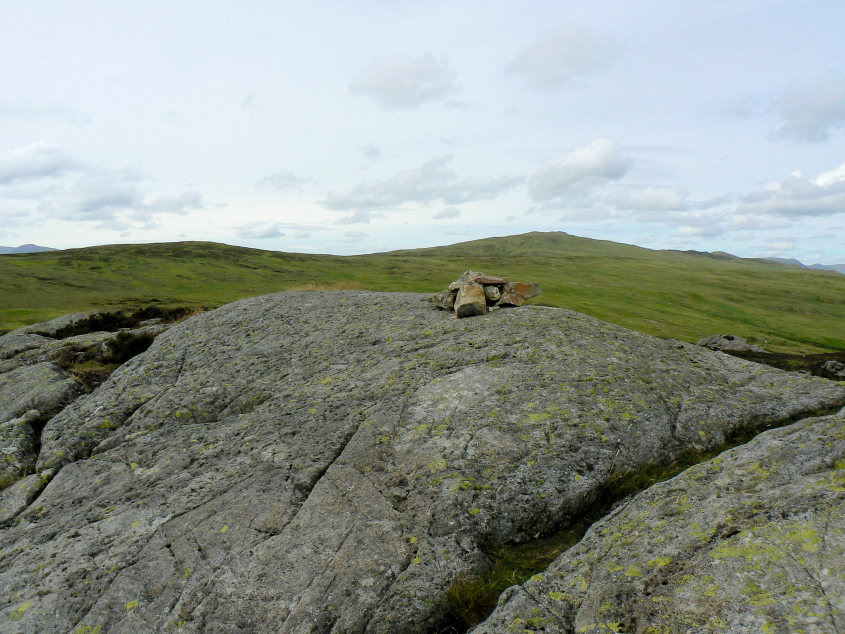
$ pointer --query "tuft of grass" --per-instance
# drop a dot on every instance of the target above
(471, 599)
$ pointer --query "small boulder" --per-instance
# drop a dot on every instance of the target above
(444, 300)
(470, 300)
(492, 293)
(729, 343)
(836, 368)
(516, 293)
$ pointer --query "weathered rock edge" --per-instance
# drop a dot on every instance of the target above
(334, 461)
(750, 541)
(35, 385)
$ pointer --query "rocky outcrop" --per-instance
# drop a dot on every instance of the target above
(43, 368)
(750, 541)
(315, 462)
(728, 343)
(472, 293)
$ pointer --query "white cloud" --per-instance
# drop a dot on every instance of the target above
(36, 161)
(354, 236)
(650, 199)
(826, 179)
(51, 185)
(448, 212)
(33, 112)
(371, 151)
(797, 196)
(579, 171)
(559, 57)
(259, 231)
(431, 182)
(406, 83)
(700, 231)
(810, 114)
(281, 181)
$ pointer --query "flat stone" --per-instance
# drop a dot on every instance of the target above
(490, 279)
(470, 301)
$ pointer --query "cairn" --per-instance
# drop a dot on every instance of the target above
(475, 293)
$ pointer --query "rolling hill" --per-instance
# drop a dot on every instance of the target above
(663, 293)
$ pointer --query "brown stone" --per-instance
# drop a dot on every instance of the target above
(470, 301)
(489, 279)
(492, 293)
(516, 293)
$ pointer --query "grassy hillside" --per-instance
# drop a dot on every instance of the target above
(665, 293)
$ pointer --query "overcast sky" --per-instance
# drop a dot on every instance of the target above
(351, 127)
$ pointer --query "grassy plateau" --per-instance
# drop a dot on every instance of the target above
(683, 295)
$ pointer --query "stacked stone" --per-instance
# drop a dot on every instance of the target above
(475, 293)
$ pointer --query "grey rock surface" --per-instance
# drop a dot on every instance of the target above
(15, 498)
(730, 343)
(314, 462)
(18, 447)
(33, 387)
(750, 541)
(53, 327)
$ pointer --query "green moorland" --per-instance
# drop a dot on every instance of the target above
(665, 293)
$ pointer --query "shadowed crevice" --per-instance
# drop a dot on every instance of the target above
(470, 600)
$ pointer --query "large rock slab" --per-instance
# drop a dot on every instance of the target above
(44, 387)
(309, 462)
(751, 541)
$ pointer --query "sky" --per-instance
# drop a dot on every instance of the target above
(362, 126)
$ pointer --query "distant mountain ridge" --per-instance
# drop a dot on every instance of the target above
(839, 268)
(25, 248)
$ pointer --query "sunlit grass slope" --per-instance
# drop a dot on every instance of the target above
(665, 293)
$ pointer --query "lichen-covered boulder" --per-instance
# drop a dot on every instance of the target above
(750, 541)
(44, 387)
(316, 462)
(444, 300)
